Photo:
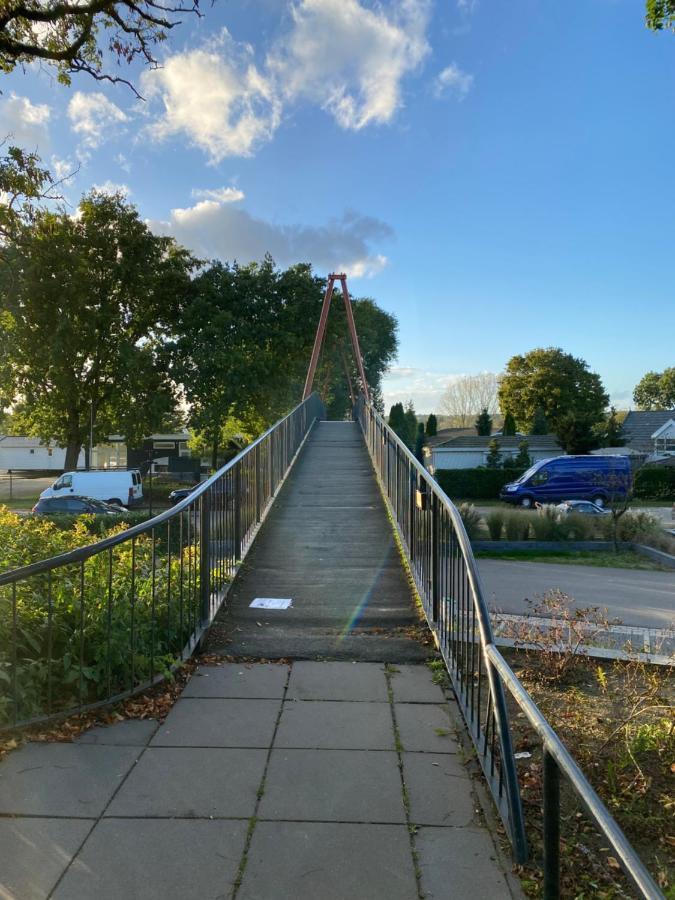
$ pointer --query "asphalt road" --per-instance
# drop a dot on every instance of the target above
(634, 596)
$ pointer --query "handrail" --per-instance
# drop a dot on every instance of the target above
(108, 619)
(446, 575)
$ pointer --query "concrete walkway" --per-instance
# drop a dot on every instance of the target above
(327, 545)
(340, 781)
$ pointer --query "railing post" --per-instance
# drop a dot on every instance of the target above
(435, 556)
(551, 828)
(204, 556)
(237, 511)
(258, 484)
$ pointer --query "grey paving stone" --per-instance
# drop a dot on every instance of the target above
(335, 725)
(459, 863)
(131, 733)
(337, 681)
(333, 786)
(145, 859)
(425, 727)
(233, 680)
(413, 684)
(35, 853)
(219, 723)
(192, 782)
(307, 860)
(62, 779)
(439, 789)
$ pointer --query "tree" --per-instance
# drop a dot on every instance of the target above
(465, 397)
(509, 426)
(23, 181)
(432, 426)
(81, 36)
(656, 390)
(494, 456)
(522, 460)
(397, 418)
(84, 303)
(410, 425)
(660, 14)
(611, 433)
(539, 423)
(420, 441)
(483, 424)
(571, 397)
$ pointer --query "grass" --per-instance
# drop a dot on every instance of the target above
(622, 559)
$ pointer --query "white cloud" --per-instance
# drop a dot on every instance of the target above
(217, 96)
(123, 162)
(213, 229)
(351, 59)
(424, 387)
(113, 187)
(24, 123)
(93, 117)
(222, 195)
(453, 80)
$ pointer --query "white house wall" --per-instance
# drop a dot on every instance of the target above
(30, 458)
(445, 458)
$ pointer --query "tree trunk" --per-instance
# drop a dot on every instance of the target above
(72, 455)
(214, 453)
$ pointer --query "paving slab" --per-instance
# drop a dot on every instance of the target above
(425, 727)
(335, 725)
(142, 859)
(414, 684)
(52, 779)
(238, 680)
(219, 723)
(439, 790)
(337, 681)
(333, 786)
(130, 733)
(457, 863)
(304, 861)
(35, 853)
(192, 783)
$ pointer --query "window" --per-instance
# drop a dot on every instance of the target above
(75, 506)
(65, 481)
(540, 477)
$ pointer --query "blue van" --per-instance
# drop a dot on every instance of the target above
(598, 478)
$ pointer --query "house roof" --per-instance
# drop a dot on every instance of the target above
(509, 442)
(447, 434)
(639, 426)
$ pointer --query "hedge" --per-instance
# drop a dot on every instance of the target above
(475, 484)
(655, 483)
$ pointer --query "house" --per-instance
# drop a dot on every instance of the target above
(468, 451)
(19, 453)
(651, 433)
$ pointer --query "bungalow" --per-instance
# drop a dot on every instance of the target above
(29, 453)
(468, 451)
(651, 433)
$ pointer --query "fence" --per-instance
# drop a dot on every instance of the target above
(442, 563)
(103, 621)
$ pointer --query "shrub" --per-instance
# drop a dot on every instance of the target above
(546, 524)
(475, 484)
(576, 527)
(495, 524)
(655, 483)
(471, 519)
(517, 525)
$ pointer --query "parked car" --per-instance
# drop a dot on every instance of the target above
(585, 507)
(119, 487)
(180, 494)
(75, 506)
(599, 479)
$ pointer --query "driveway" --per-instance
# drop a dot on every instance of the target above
(634, 596)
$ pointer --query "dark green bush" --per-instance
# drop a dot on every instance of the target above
(655, 483)
(475, 484)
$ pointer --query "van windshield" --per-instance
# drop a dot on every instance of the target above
(526, 475)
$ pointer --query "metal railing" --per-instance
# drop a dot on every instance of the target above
(444, 569)
(106, 620)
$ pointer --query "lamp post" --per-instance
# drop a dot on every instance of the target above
(91, 433)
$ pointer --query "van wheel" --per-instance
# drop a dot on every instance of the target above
(599, 500)
(526, 502)
(115, 501)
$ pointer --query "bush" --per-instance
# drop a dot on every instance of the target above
(471, 519)
(655, 483)
(546, 524)
(517, 525)
(495, 524)
(475, 484)
(640, 527)
(576, 527)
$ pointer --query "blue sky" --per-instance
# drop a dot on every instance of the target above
(497, 174)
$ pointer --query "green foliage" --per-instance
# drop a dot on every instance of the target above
(495, 523)
(471, 519)
(397, 421)
(84, 302)
(432, 426)
(539, 422)
(474, 484)
(420, 441)
(572, 398)
(522, 460)
(517, 525)
(611, 432)
(660, 14)
(410, 425)
(654, 483)
(494, 456)
(577, 527)
(656, 390)
(546, 524)
(483, 423)
(509, 426)
(23, 181)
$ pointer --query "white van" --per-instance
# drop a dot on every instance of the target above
(114, 486)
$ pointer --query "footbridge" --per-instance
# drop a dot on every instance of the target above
(312, 753)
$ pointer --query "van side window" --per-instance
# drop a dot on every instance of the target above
(540, 477)
(65, 481)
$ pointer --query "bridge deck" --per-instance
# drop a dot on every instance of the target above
(328, 546)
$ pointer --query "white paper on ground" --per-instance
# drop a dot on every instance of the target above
(271, 603)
